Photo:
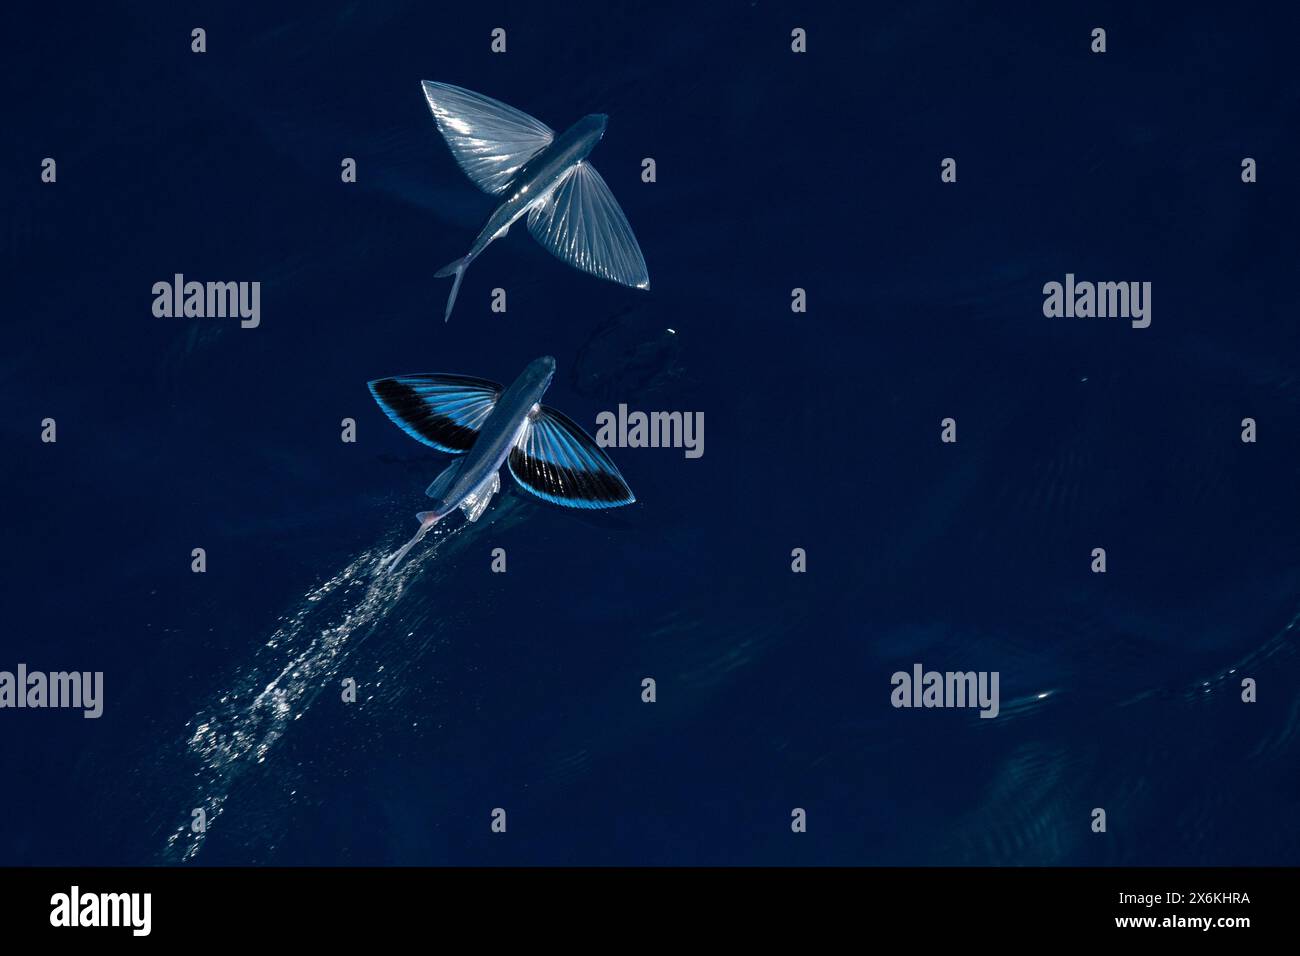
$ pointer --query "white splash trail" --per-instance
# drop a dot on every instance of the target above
(237, 731)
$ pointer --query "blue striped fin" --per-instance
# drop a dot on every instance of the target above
(443, 411)
(560, 463)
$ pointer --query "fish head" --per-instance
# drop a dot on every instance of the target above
(540, 372)
(593, 126)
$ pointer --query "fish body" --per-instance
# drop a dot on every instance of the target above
(537, 179)
(548, 178)
(493, 426)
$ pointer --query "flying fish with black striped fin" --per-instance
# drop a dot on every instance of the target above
(548, 453)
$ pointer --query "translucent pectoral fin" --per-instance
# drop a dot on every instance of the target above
(581, 223)
(489, 139)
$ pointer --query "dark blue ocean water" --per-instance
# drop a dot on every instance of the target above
(523, 690)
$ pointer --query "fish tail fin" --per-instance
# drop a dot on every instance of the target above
(457, 270)
(427, 520)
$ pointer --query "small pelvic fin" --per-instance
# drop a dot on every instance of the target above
(456, 269)
(427, 520)
(438, 487)
(476, 501)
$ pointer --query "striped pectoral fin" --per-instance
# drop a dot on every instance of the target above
(442, 411)
(489, 139)
(559, 462)
(582, 223)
